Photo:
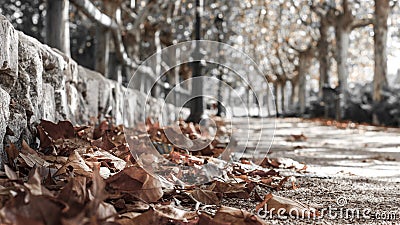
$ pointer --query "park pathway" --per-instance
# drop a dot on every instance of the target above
(356, 169)
(365, 151)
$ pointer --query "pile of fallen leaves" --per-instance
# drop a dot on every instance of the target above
(87, 175)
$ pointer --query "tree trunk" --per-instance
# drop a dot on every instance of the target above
(382, 9)
(323, 56)
(197, 107)
(342, 48)
(249, 94)
(114, 67)
(156, 88)
(102, 50)
(106, 57)
(304, 64)
(343, 41)
(102, 19)
(344, 23)
(276, 98)
(302, 91)
(283, 84)
(293, 95)
(266, 100)
(57, 25)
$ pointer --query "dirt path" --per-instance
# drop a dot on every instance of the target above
(353, 174)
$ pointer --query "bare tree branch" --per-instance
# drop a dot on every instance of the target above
(361, 23)
(91, 11)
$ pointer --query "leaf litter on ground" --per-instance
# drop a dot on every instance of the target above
(87, 175)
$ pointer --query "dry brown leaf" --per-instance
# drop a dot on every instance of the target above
(62, 129)
(75, 195)
(37, 210)
(104, 143)
(77, 163)
(288, 163)
(26, 148)
(65, 147)
(104, 156)
(148, 218)
(263, 173)
(206, 196)
(45, 142)
(167, 214)
(12, 153)
(34, 159)
(97, 194)
(205, 219)
(281, 162)
(130, 215)
(137, 206)
(34, 183)
(55, 159)
(10, 173)
(296, 137)
(233, 216)
(177, 138)
(137, 181)
(281, 183)
(233, 190)
(266, 181)
(106, 211)
(100, 130)
(268, 163)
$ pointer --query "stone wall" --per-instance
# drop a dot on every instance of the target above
(38, 82)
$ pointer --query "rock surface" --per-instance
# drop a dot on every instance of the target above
(4, 115)
(8, 54)
(38, 82)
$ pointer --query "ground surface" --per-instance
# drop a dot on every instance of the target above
(352, 170)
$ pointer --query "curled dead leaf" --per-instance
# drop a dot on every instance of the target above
(164, 214)
(37, 210)
(233, 216)
(10, 173)
(63, 129)
(135, 180)
(206, 196)
(78, 164)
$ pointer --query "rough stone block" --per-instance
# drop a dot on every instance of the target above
(76, 104)
(62, 110)
(8, 54)
(4, 116)
(17, 122)
(119, 103)
(89, 86)
(29, 83)
(48, 105)
(141, 105)
(106, 97)
(54, 67)
(129, 107)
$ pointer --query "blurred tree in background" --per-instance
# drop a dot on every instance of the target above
(322, 57)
